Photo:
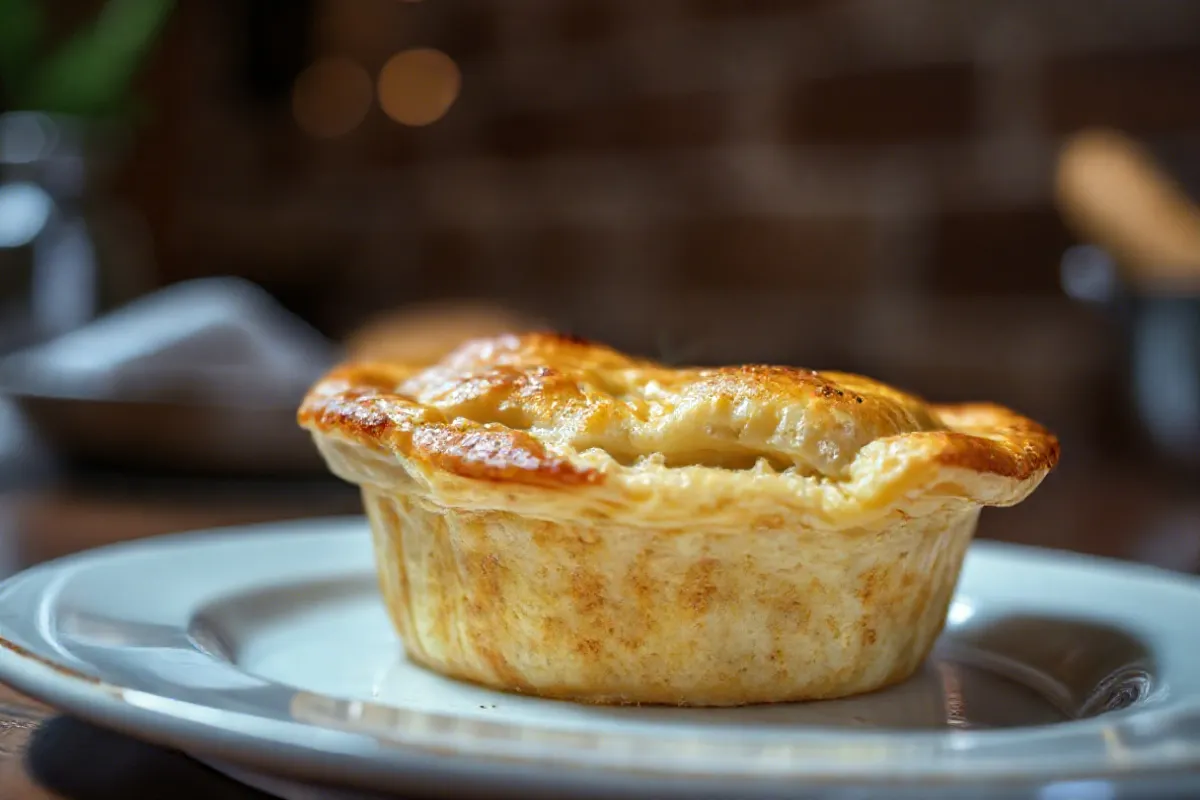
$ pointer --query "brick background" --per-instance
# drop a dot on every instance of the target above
(1144, 93)
(882, 107)
(852, 183)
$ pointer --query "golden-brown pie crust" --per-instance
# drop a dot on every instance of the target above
(554, 517)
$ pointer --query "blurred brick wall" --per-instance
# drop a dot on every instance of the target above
(854, 183)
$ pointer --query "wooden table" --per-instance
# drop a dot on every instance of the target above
(1135, 514)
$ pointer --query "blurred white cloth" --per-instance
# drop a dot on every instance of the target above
(197, 340)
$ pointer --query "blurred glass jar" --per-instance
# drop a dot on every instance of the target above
(69, 249)
(1161, 329)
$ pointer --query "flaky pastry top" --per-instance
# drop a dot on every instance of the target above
(543, 418)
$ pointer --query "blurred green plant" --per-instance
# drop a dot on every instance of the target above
(88, 75)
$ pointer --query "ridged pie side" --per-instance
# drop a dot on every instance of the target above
(616, 614)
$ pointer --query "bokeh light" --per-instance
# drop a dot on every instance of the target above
(331, 97)
(418, 86)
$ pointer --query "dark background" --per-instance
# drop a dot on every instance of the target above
(863, 184)
(853, 184)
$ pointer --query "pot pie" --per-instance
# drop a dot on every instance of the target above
(555, 518)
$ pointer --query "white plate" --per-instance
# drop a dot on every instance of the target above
(267, 648)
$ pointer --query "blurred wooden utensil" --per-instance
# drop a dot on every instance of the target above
(1142, 268)
(1112, 193)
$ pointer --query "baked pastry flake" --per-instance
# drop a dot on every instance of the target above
(553, 517)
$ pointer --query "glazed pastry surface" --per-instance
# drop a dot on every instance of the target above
(559, 427)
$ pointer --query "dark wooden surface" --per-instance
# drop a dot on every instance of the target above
(1132, 512)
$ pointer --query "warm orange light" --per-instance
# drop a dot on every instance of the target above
(331, 97)
(417, 87)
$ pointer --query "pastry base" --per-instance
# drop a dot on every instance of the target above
(603, 613)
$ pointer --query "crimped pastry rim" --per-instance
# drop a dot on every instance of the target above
(986, 454)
